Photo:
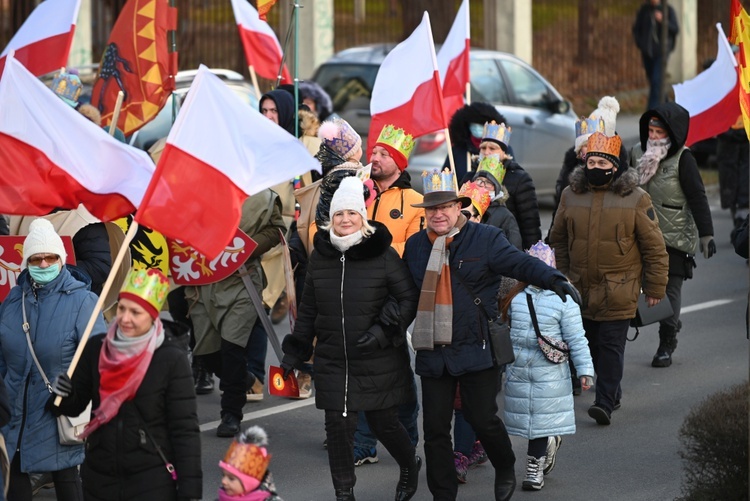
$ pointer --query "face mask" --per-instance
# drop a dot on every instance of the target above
(599, 177)
(476, 130)
(43, 276)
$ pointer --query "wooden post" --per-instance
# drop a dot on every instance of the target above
(254, 79)
(116, 114)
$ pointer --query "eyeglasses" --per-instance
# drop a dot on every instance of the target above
(483, 183)
(49, 259)
(440, 208)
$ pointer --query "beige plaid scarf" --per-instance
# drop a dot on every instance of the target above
(434, 322)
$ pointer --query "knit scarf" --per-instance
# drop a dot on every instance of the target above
(256, 495)
(344, 243)
(123, 362)
(434, 322)
(656, 150)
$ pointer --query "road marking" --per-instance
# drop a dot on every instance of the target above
(706, 305)
(212, 425)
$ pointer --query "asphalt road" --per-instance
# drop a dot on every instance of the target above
(635, 458)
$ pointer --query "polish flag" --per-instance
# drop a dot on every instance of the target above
(453, 61)
(712, 96)
(219, 151)
(262, 48)
(54, 157)
(407, 91)
(43, 42)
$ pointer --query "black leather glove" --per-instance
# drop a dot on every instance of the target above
(287, 368)
(367, 343)
(390, 314)
(562, 287)
(62, 385)
(708, 246)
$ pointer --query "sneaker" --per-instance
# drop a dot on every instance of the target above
(204, 382)
(662, 358)
(229, 426)
(304, 379)
(534, 480)
(363, 456)
(40, 481)
(478, 455)
(254, 392)
(462, 466)
(553, 444)
(600, 414)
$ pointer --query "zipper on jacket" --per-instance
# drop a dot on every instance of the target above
(343, 333)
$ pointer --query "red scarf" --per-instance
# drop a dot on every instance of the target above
(121, 374)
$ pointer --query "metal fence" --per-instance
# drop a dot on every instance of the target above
(584, 47)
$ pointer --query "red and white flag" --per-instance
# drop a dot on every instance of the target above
(219, 151)
(54, 157)
(711, 97)
(407, 91)
(42, 44)
(453, 61)
(262, 48)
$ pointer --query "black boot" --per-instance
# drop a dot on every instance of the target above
(345, 495)
(408, 480)
(667, 345)
(204, 380)
(505, 484)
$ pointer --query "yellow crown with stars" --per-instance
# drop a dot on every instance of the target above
(147, 287)
(436, 180)
(397, 139)
(499, 133)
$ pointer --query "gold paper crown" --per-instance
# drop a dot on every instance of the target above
(492, 166)
(480, 197)
(497, 132)
(397, 139)
(249, 459)
(149, 287)
(607, 146)
(436, 180)
(589, 126)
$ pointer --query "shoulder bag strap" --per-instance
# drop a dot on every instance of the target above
(26, 328)
(169, 466)
(477, 299)
(532, 312)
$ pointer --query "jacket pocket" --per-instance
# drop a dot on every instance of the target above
(571, 233)
(622, 291)
(624, 240)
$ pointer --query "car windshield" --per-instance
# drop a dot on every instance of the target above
(349, 85)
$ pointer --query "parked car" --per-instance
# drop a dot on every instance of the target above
(542, 120)
(159, 127)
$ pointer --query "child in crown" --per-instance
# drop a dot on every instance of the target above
(245, 474)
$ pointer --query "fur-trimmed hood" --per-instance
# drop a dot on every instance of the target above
(373, 246)
(308, 123)
(478, 113)
(623, 185)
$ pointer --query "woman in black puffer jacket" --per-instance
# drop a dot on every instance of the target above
(144, 416)
(358, 299)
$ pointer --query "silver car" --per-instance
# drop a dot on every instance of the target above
(542, 120)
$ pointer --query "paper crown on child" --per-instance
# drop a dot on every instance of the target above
(603, 146)
(542, 251)
(338, 135)
(68, 87)
(492, 166)
(398, 143)
(147, 287)
(480, 197)
(499, 133)
(247, 457)
(589, 126)
(439, 188)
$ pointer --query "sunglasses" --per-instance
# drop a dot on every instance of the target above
(49, 259)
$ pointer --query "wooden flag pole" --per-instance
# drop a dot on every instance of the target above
(116, 113)
(468, 101)
(254, 79)
(100, 302)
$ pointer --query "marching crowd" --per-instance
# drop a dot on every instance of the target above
(458, 274)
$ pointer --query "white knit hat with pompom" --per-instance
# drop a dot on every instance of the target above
(607, 111)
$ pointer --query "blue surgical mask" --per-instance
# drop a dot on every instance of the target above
(476, 130)
(43, 276)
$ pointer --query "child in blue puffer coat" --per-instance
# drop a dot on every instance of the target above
(538, 397)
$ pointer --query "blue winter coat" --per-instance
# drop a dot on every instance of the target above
(58, 314)
(538, 394)
(481, 254)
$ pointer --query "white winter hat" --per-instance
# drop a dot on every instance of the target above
(42, 239)
(349, 196)
(607, 111)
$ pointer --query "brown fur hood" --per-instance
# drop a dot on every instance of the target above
(308, 123)
(622, 185)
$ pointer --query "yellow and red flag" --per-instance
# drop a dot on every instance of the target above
(740, 36)
(138, 62)
(263, 7)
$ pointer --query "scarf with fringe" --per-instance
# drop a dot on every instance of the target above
(656, 150)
